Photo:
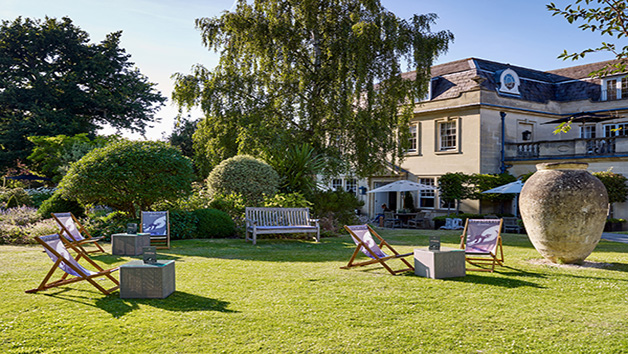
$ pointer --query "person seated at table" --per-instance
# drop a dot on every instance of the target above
(384, 209)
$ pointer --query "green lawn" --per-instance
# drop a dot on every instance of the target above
(290, 296)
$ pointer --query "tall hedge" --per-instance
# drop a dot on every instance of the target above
(129, 174)
(245, 175)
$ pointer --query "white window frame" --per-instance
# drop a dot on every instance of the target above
(439, 138)
(335, 186)
(427, 194)
(414, 149)
(614, 88)
(615, 129)
(588, 132)
(349, 183)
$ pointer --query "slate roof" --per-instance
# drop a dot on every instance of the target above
(567, 84)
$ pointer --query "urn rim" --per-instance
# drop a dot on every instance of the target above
(563, 165)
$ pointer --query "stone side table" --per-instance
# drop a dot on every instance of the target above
(129, 244)
(139, 280)
(446, 263)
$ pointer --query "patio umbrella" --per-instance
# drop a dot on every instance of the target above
(401, 186)
(510, 188)
(583, 117)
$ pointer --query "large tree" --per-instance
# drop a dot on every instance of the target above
(607, 17)
(322, 72)
(53, 81)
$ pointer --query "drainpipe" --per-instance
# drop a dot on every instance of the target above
(502, 167)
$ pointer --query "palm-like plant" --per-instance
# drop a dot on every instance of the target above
(297, 167)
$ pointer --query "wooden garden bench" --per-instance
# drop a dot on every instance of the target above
(279, 221)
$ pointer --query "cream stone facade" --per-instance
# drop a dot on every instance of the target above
(487, 117)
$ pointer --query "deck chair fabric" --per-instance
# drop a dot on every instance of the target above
(482, 242)
(72, 230)
(157, 224)
(452, 224)
(362, 235)
(59, 254)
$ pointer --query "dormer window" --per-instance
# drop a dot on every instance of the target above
(614, 88)
(509, 82)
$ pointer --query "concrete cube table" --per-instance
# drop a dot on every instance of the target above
(446, 263)
(139, 280)
(129, 244)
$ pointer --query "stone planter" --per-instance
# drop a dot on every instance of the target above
(564, 208)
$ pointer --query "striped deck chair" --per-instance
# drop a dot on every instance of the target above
(72, 230)
(362, 235)
(482, 243)
(157, 224)
(57, 251)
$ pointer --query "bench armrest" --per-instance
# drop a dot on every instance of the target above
(251, 222)
(314, 221)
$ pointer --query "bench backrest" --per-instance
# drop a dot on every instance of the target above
(279, 216)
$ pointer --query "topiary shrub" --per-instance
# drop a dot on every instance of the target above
(57, 203)
(129, 174)
(214, 223)
(183, 224)
(245, 175)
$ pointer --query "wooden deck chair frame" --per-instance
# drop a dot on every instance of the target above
(481, 259)
(159, 241)
(65, 278)
(87, 237)
(375, 258)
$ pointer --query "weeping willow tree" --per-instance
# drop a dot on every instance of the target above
(322, 72)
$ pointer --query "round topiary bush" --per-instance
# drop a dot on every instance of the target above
(245, 175)
(129, 174)
(57, 203)
(214, 223)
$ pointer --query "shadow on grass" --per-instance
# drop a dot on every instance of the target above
(177, 302)
(495, 281)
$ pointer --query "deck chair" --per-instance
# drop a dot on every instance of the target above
(482, 243)
(157, 224)
(57, 251)
(75, 233)
(452, 224)
(362, 235)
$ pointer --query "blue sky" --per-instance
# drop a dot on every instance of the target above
(162, 40)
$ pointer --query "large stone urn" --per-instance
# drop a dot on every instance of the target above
(564, 208)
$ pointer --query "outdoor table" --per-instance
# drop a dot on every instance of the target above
(139, 280)
(404, 217)
(445, 263)
(129, 244)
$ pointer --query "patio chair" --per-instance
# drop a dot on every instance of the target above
(390, 219)
(482, 243)
(157, 224)
(452, 224)
(72, 231)
(419, 220)
(362, 235)
(57, 251)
